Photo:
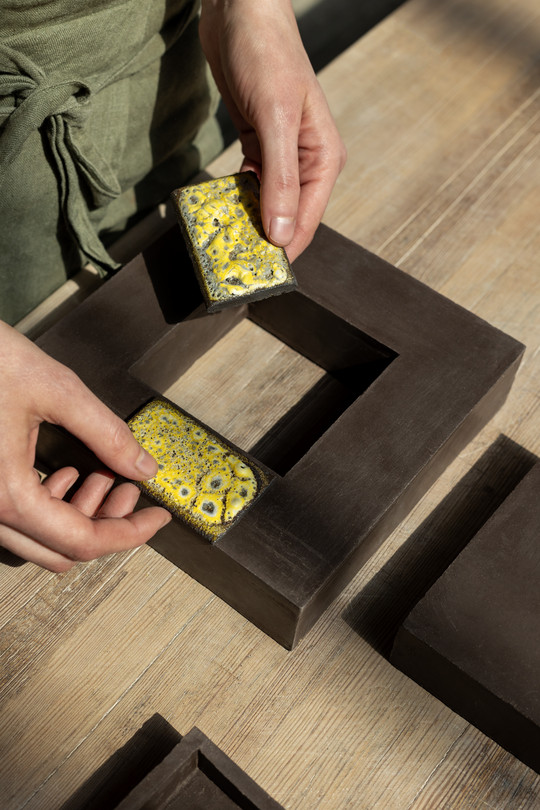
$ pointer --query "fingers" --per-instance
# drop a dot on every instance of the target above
(61, 481)
(314, 195)
(80, 412)
(94, 496)
(297, 178)
(83, 539)
(287, 132)
(66, 529)
(121, 502)
(37, 388)
(27, 548)
(55, 534)
(293, 145)
(91, 494)
(35, 522)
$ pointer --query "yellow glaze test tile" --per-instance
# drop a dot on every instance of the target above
(221, 223)
(201, 479)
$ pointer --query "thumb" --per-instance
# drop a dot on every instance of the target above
(280, 181)
(36, 387)
(80, 412)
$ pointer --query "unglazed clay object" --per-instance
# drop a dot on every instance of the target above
(472, 640)
(197, 774)
(202, 479)
(221, 223)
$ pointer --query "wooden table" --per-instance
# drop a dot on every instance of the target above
(440, 110)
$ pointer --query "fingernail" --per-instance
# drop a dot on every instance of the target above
(167, 519)
(282, 230)
(73, 480)
(146, 465)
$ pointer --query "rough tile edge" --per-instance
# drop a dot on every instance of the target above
(202, 266)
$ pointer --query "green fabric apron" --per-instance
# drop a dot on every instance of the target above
(105, 107)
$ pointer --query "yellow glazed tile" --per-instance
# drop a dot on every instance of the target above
(202, 480)
(221, 223)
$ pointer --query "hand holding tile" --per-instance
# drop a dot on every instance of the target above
(35, 522)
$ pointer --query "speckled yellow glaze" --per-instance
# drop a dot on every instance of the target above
(221, 221)
(201, 479)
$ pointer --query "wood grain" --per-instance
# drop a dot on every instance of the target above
(439, 107)
(245, 383)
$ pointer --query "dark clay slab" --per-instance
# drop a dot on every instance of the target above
(197, 775)
(414, 377)
(474, 640)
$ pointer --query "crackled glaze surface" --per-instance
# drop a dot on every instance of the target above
(201, 479)
(221, 222)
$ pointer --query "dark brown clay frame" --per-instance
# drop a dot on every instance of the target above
(444, 374)
(197, 774)
(472, 640)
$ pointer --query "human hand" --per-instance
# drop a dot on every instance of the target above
(286, 130)
(35, 523)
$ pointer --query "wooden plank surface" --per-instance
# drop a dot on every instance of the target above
(264, 380)
(440, 110)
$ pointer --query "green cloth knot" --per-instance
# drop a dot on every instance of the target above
(29, 101)
(33, 104)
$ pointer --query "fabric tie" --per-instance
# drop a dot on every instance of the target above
(28, 101)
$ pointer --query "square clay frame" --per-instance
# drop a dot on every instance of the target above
(308, 535)
(176, 782)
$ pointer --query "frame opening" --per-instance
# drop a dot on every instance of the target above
(271, 378)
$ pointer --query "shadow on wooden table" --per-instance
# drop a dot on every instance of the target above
(379, 609)
(328, 27)
(9, 559)
(126, 767)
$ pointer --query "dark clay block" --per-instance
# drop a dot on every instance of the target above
(197, 775)
(422, 374)
(474, 640)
